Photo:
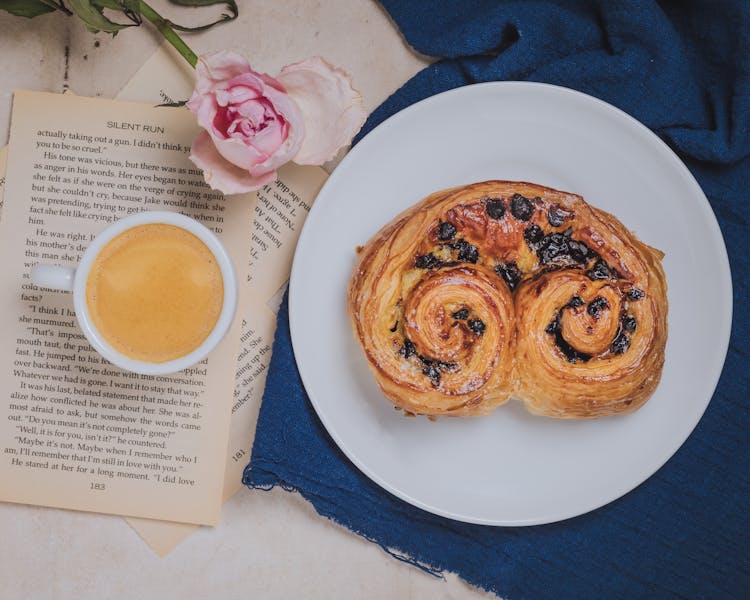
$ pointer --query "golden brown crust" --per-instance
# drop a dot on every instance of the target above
(501, 289)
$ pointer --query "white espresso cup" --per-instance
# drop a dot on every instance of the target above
(75, 279)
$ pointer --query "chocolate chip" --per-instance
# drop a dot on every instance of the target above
(432, 370)
(621, 343)
(576, 302)
(553, 327)
(579, 251)
(510, 274)
(461, 314)
(554, 246)
(533, 234)
(466, 251)
(408, 349)
(635, 294)
(570, 353)
(446, 231)
(495, 208)
(560, 248)
(600, 270)
(427, 261)
(596, 306)
(629, 323)
(443, 366)
(555, 216)
(521, 208)
(477, 326)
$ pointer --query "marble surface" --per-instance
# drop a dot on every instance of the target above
(268, 544)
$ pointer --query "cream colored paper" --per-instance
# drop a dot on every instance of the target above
(279, 215)
(75, 431)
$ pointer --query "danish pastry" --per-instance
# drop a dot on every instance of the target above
(509, 289)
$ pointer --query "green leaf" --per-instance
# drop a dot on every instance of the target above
(131, 8)
(113, 4)
(230, 5)
(26, 8)
(91, 14)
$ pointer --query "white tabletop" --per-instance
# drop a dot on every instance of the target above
(268, 544)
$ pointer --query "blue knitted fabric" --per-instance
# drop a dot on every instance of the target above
(683, 69)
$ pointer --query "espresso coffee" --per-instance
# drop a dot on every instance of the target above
(155, 292)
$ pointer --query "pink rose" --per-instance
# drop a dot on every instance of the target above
(254, 123)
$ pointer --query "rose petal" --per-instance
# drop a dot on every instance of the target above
(222, 175)
(217, 67)
(238, 93)
(332, 110)
(214, 72)
(256, 157)
(255, 111)
(296, 128)
(204, 108)
(252, 125)
(237, 152)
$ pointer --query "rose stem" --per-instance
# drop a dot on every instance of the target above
(169, 34)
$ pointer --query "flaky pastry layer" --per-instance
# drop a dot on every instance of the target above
(509, 289)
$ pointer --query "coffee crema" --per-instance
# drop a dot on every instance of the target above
(155, 292)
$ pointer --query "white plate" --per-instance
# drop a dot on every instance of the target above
(510, 468)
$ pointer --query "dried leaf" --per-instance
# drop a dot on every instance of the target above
(177, 104)
(90, 12)
(231, 7)
(26, 8)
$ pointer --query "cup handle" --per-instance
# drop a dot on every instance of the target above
(53, 277)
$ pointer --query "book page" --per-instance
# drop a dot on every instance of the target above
(280, 212)
(3, 160)
(75, 431)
